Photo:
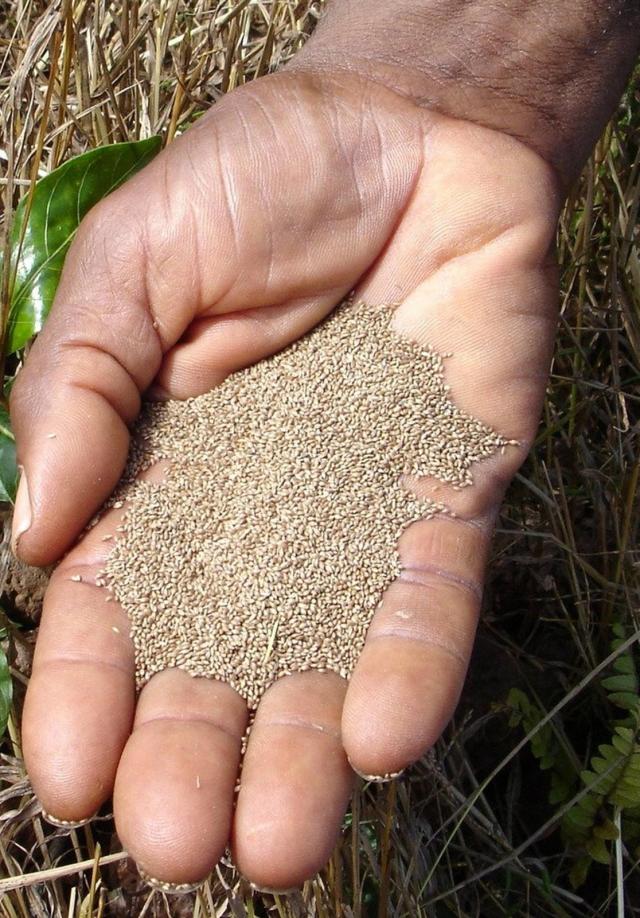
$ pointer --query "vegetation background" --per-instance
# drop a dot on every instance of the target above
(530, 804)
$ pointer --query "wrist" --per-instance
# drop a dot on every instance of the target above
(547, 74)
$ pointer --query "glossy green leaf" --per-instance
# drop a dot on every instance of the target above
(8, 467)
(6, 691)
(48, 225)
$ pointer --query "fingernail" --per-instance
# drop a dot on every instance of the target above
(65, 823)
(21, 513)
(378, 779)
(172, 889)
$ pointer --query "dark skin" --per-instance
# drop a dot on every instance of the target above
(419, 153)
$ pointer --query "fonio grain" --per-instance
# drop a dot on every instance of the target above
(268, 546)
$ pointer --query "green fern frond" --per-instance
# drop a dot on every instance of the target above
(623, 686)
(613, 781)
(544, 745)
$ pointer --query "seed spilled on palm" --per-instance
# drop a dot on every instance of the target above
(267, 548)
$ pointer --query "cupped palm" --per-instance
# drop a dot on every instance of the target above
(244, 233)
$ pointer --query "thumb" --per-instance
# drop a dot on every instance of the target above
(80, 388)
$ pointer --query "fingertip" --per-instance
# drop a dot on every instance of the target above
(173, 811)
(71, 755)
(397, 706)
(28, 550)
(70, 470)
(173, 808)
(296, 783)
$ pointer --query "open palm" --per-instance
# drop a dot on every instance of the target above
(235, 241)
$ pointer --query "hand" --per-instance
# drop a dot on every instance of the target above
(235, 241)
(287, 195)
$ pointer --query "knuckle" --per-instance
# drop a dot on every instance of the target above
(448, 544)
(430, 610)
(442, 581)
(75, 570)
(108, 243)
(97, 223)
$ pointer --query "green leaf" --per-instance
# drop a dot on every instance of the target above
(8, 467)
(57, 205)
(631, 774)
(624, 798)
(598, 850)
(623, 744)
(624, 682)
(606, 830)
(6, 691)
(609, 754)
(625, 733)
(590, 778)
(560, 789)
(626, 700)
(579, 817)
(579, 872)
(626, 664)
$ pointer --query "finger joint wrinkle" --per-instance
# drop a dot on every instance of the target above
(428, 575)
(298, 722)
(85, 659)
(419, 635)
(189, 720)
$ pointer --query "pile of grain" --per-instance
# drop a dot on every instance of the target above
(268, 547)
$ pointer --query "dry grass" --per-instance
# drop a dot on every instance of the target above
(468, 831)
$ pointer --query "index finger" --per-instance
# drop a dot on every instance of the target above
(80, 700)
